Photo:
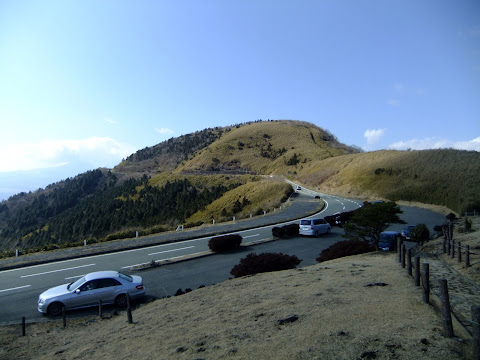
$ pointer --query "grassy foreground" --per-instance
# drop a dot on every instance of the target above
(360, 307)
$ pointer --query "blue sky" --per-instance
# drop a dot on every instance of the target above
(84, 84)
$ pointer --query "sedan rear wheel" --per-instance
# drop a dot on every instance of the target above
(316, 233)
(55, 309)
(121, 300)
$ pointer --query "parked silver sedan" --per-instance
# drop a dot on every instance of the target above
(112, 287)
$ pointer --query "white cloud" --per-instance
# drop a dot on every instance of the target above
(436, 143)
(164, 131)
(95, 151)
(399, 88)
(373, 135)
(393, 102)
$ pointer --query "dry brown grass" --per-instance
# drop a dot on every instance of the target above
(303, 139)
(265, 195)
(339, 317)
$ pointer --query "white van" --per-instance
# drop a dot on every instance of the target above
(313, 227)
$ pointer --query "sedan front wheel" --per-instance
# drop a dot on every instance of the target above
(55, 309)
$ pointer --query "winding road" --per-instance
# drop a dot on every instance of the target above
(20, 287)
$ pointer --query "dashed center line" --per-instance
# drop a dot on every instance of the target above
(15, 288)
(167, 251)
(53, 271)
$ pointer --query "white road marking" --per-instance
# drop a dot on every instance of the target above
(15, 288)
(166, 251)
(48, 272)
(172, 258)
(250, 236)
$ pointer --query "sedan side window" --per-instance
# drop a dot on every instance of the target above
(109, 282)
(90, 285)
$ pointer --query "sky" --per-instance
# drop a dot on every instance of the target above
(84, 84)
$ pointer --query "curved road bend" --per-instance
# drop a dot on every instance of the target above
(19, 288)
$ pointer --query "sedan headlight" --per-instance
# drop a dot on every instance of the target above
(41, 301)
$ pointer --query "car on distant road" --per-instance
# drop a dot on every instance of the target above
(388, 240)
(299, 188)
(406, 232)
(313, 227)
(111, 287)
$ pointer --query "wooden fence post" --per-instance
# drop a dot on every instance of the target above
(417, 270)
(446, 309)
(399, 249)
(426, 283)
(129, 310)
(23, 326)
(100, 309)
(453, 249)
(448, 247)
(459, 252)
(467, 256)
(64, 316)
(403, 256)
(476, 331)
(409, 262)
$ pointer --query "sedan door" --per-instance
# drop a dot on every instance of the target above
(92, 292)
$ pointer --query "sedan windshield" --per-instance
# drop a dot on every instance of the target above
(76, 284)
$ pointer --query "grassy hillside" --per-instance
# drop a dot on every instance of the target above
(250, 198)
(274, 147)
(441, 177)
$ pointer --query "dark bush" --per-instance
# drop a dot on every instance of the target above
(339, 219)
(291, 229)
(278, 232)
(451, 217)
(224, 242)
(286, 230)
(345, 248)
(420, 233)
(264, 262)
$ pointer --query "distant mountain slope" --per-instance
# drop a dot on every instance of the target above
(442, 177)
(168, 154)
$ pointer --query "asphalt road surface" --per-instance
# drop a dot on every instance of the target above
(19, 288)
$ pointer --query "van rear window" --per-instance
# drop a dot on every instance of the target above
(305, 222)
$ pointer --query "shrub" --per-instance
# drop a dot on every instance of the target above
(339, 219)
(286, 230)
(451, 217)
(420, 233)
(345, 248)
(224, 242)
(278, 232)
(264, 262)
